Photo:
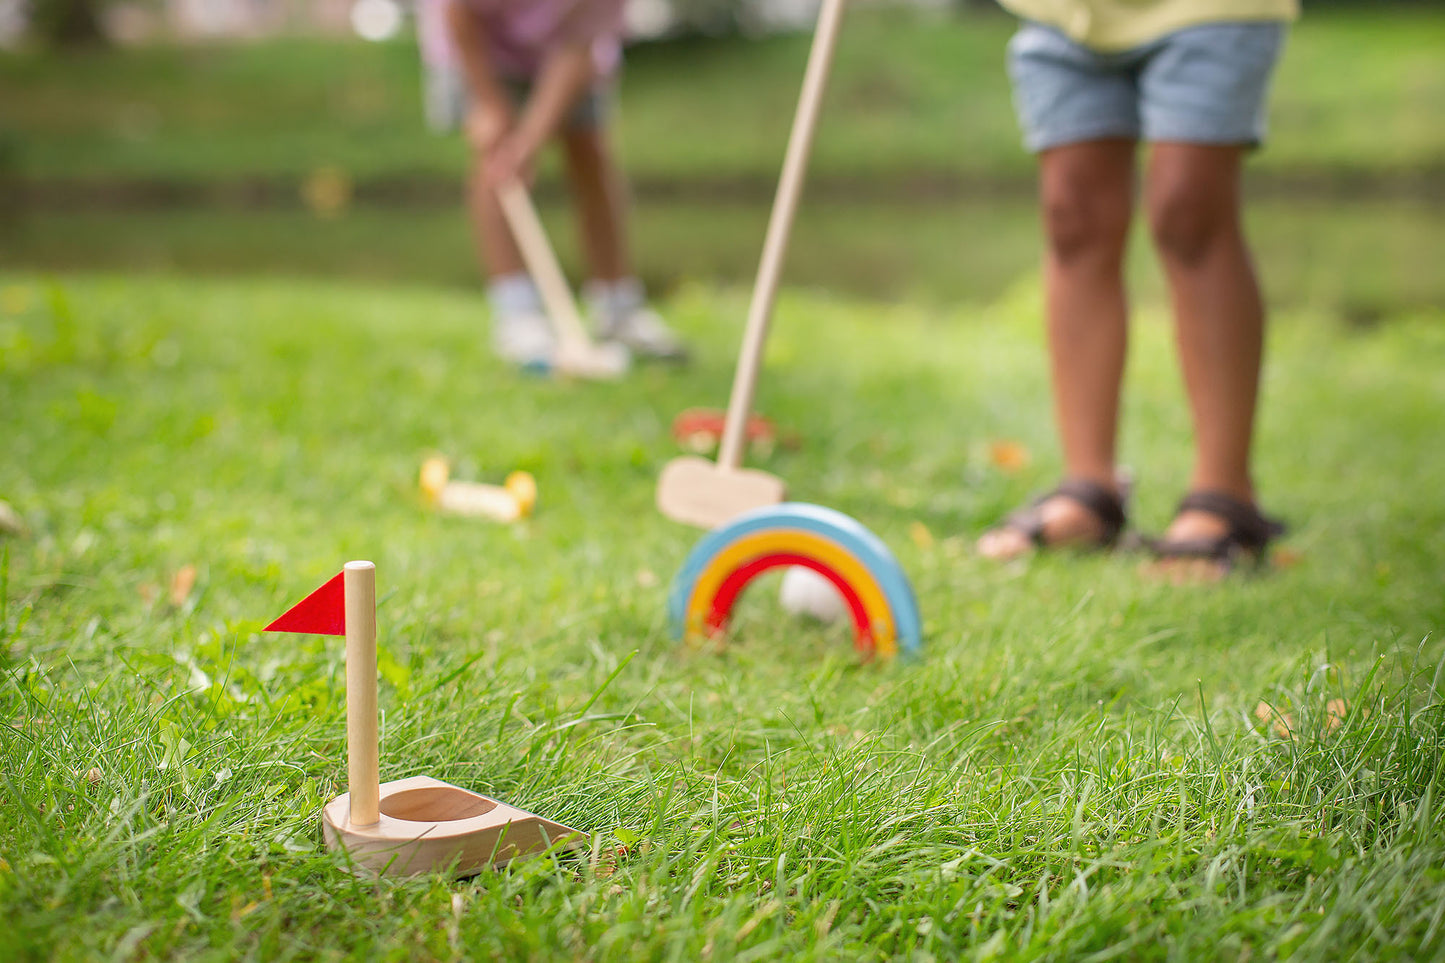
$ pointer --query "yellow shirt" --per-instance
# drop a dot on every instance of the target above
(1109, 25)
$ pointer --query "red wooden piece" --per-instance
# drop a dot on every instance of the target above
(323, 612)
(732, 586)
(708, 422)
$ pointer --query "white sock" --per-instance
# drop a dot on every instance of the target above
(615, 300)
(514, 294)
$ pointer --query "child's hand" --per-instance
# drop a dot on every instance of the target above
(486, 126)
(510, 159)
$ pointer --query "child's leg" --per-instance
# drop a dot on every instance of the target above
(1087, 199)
(616, 298)
(601, 197)
(1203, 93)
(521, 331)
(1079, 114)
(499, 255)
(1193, 199)
(1087, 194)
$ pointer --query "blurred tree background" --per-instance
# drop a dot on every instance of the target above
(69, 23)
(222, 136)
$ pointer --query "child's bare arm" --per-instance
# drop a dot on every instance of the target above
(491, 111)
(566, 73)
(569, 67)
(567, 70)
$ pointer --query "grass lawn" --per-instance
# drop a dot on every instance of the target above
(911, 94)
(1073, 770)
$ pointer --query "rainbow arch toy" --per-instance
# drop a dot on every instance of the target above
(873, 585)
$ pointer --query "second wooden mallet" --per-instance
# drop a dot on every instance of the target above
(694, 490)
(577, 355)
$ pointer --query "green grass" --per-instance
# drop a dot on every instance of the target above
(911, 94)
(1072, 770)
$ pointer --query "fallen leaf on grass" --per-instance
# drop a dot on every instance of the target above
(1281, 723)
(610, 861)
(1336, 710)
(921, 536)
(1008, 456)
(181, 584)
(1286, 557)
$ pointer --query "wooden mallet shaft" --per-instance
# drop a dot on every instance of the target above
(780, 224)
(363, 754)
(542, 264)
(577, 354)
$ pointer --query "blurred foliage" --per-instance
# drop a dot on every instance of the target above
(724, 17)
(710, 16)
(68, 23)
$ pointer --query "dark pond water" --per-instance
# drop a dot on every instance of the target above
(1364, 260)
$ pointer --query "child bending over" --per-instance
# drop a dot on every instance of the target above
(517, 74)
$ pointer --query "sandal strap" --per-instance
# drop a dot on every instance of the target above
(1103, 504)
(1249, 528)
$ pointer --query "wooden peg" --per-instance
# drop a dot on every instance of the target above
(363, 752)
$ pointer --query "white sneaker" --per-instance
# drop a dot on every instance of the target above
(525, 339)
(643, 331)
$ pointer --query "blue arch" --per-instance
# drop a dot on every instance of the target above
(826, 523)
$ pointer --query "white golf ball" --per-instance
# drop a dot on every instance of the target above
(805, 592)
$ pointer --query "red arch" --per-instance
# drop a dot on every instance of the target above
(737, 580)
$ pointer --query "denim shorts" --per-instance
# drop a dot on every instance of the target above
(1203, 85)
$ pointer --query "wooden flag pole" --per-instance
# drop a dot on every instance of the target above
(418, 824)
(363, 754)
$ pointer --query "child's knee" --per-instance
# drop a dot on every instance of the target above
(1079, 225)
(1185, 224)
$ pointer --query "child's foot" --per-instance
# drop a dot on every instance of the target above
(524, 339)
(646, 334)
(1077, 514)
(620, 312)
(1211, 534)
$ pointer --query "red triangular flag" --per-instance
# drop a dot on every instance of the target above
(323, 612)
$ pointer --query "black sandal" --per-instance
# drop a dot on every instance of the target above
(1106, 507)
(1246, 540)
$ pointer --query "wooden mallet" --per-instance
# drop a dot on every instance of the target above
(694, 490)
(577, 355)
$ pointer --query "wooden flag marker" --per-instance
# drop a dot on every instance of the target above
(412, 826)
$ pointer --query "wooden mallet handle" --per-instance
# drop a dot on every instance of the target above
(775, 246)
(542, 264)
